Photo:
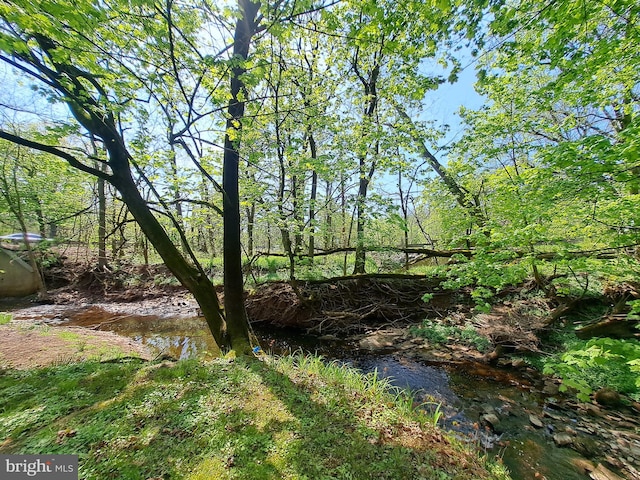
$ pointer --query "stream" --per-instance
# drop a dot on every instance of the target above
(503, 412)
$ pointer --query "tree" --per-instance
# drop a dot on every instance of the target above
(11, 163)
(552, 156)
(80, 56)
(563, 112)
(385, 47)
(237, 323)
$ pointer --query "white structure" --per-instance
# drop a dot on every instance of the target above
(17, 278)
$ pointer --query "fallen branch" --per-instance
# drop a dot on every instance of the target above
(601, 253)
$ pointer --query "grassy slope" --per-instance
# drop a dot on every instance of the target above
(287, 418)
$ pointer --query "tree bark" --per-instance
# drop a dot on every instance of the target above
(236, 315)
(370, 85)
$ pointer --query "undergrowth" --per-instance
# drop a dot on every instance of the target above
(588, 365)
(438, 333)
(5, 318)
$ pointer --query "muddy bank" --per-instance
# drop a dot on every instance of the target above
(26, 344)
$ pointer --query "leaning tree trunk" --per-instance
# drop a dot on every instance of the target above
(121, 178)
(87, 99)
(191, 277)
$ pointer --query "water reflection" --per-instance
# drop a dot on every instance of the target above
(183, 338)
(178, 338)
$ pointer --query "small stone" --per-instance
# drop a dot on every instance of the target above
(586, 446)
(377, 342)
(624, 443)
(615, 462)
(406, 346)
(492, 419)
(557, 418)
(593, 410)
(518, 363)
(328, 338)
(488, 408)
(603, 473)
(608, 396)
(583, 464)
(535, 421)
(562, 439)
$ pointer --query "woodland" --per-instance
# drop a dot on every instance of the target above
(295, 140)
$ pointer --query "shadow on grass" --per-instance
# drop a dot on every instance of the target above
(246, 419)
(337, 433)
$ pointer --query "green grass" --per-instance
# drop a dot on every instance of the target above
(290, 418)
(5, 318)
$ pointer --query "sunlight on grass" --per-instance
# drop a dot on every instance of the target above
(290, 418)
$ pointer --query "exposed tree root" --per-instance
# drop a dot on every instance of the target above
(348, 304)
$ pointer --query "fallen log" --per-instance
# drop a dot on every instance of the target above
(613, 326)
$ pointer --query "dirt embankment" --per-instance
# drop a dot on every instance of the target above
(28, 342)
(30, 345)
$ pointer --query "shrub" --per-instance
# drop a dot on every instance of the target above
(438, 333)
(598, 363)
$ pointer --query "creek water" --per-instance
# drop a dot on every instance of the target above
(461, 393)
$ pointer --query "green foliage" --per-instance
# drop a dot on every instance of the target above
(634, 312)
(427, 297)
(38, 189)
(165, 280)
(5, 318)
(438, 333)
(598, 363)
(486, 269)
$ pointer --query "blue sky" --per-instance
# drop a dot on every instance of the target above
(443, 104)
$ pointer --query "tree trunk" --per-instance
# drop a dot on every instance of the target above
(329, 237)
(298, 220)
(360, 260)
(102, 225)
(237, 322)
(462, 196)
(251, 215)
(192, 278)
(370, 85)
(312, 198)
(119, 159)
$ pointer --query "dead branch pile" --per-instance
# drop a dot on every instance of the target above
(127, 283)
(346, 305)
(278, 304)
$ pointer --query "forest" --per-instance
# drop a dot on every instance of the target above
(239, 143)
